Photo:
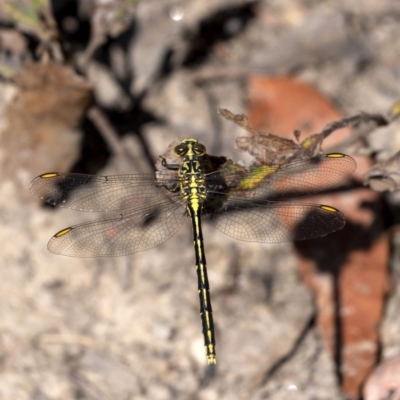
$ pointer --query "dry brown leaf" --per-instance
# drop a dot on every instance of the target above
(40, 133)
(356, 257)
(284, 104)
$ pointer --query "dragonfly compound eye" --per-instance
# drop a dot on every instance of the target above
(199, 149)
(181, 149)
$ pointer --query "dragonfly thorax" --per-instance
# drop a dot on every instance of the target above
(191, 172)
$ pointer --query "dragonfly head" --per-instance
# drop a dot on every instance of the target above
(189, 146)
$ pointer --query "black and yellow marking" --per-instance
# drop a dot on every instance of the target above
(49, 175)
(63, 232)
(246, 203)
(194, 192)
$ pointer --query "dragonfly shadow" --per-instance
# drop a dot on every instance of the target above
(331, 253)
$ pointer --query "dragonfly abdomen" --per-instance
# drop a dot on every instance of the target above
(194, 192)
(203, 285)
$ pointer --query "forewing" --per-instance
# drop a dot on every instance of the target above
(126, 234)
(278, 182)
(274, 222)
(98, 193)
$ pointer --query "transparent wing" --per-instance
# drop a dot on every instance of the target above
(276, 182)
(126, 234)
(99, 193)
(240, 205)
(274, 222)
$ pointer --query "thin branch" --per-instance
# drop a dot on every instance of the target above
(109, 134)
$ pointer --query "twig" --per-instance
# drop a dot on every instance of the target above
(109, 134)
(378, 119)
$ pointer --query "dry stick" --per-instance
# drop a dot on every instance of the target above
(94, 43)
(378, 119)
(111, 137)
(216, 73)
(109, 134)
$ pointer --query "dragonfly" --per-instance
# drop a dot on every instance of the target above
(247, 203)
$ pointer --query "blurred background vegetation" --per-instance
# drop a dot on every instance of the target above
(104, 87)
